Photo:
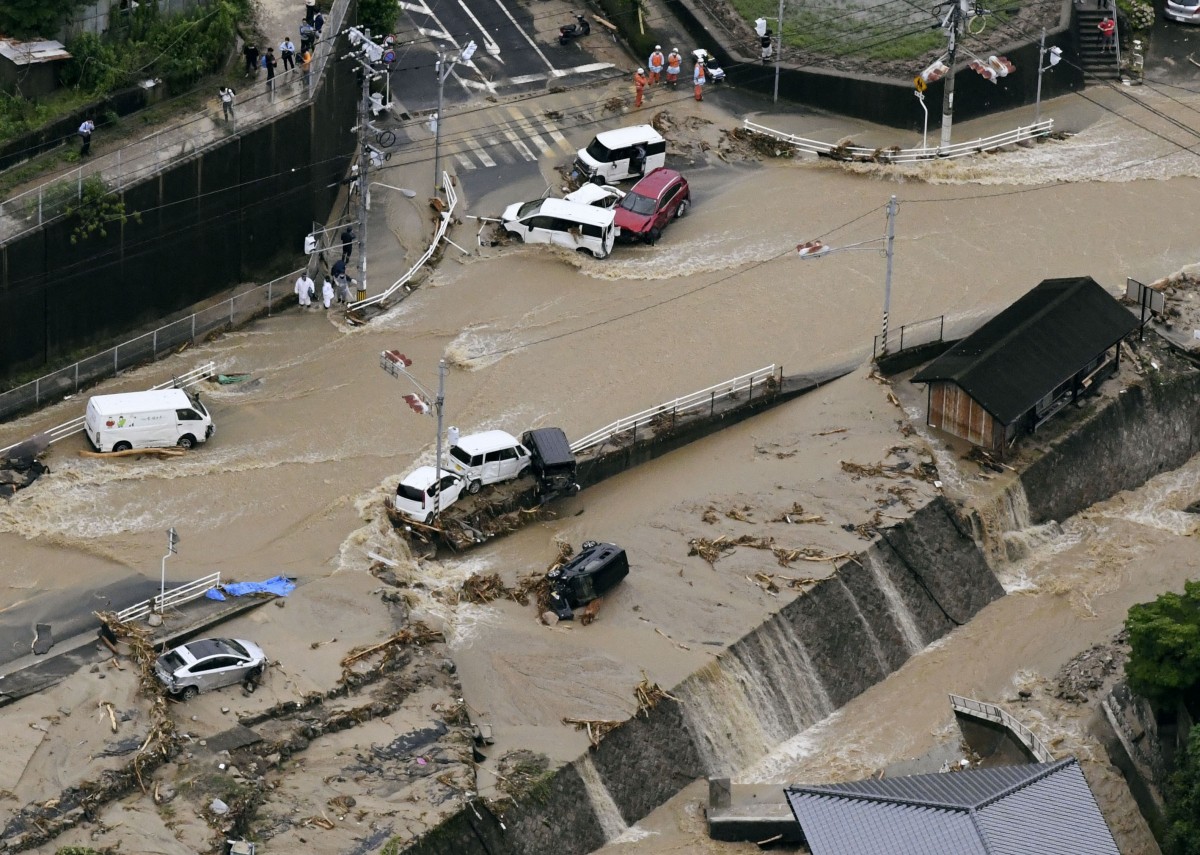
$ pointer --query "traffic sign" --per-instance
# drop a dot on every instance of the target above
(919, 83)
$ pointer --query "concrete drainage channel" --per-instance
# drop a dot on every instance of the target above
(918, 581)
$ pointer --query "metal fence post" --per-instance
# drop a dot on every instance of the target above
(79, 196)
(942, 328)
(40, 191)
(76, 376)
(154, 345)
(712, 402)
(37, 392)
(269, 289)
(116, 364)
(231, 311)
(193, 328)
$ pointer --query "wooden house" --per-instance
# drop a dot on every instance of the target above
(1052, 346)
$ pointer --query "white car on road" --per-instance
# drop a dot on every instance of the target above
(416, 493)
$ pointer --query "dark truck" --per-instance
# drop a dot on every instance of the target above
(592, 573)
(551, 461)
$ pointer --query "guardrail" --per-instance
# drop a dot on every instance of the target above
(146, 348)
(174, 597)
(914, 334)
(443, 225)
(990, 712)
(130, 164)
(895, 154)
(763, 378)
(74, 426)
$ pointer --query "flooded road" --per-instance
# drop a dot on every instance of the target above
(304, 454)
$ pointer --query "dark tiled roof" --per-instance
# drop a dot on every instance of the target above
(1010, 810)
(1040, 341)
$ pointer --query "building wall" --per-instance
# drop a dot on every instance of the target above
(954, 411)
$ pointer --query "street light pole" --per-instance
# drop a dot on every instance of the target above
(953, 24)
(1055, 56)
(172, 542)
(778, 50)
(441, 399)
(397, 364)
(445, 65)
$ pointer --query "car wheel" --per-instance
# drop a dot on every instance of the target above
(513, 235)
(601, 254)
(682, 209)
(652, 236)
(189, 692)
(122, 446)
(186, 441)
(598, 180)
(473, 487)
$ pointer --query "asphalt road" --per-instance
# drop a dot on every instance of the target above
(1172, 47)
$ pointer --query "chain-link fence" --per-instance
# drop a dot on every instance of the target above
(220, 317)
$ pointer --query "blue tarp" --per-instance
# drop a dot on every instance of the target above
(280, 586)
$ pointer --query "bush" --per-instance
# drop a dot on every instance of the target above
(1164, 640)
(1183, 802)
(378, 16)
(1139, 15)
(97, 210)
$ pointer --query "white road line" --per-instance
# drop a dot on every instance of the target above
(501, 152)
(586, 69)
(437, 34)
(479, 152)
(464, 161)
(553, 132)
(414, 7)
(519, 144)
(526, 126)
(526, 78)
(489, 45)
(532, 43)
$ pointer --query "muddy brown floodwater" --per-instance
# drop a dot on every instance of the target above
(294, 479)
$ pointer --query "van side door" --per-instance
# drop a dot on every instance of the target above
(491, 467)
(541, 229)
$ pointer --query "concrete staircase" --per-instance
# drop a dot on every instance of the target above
(1096, 62)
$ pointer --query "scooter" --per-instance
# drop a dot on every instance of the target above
(578, 30)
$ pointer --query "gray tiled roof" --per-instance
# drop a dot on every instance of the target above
(1009, 810)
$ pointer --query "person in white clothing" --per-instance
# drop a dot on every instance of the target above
(327, 292)
(305, 289)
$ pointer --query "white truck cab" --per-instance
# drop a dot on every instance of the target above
(487, 458)
(156, 419)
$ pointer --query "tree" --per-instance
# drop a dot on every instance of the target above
(24, 19)
(1183, 801)
(1164, 637)
(379, 16)
(96, 210)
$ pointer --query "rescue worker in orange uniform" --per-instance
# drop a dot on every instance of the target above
(674, 61)
(656, 63)
(639, 85)
(698, 80)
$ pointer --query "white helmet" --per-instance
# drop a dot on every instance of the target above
(641, 71)
(658, 47)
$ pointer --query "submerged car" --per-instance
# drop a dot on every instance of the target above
(210, 663)
(653, 202)
(597, 195)
(592, 573)
(416, 494)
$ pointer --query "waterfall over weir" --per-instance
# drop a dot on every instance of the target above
(759, 693)
(901, 613)
(868, 630)
(607, 813)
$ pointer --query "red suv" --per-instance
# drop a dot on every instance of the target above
(651, 204)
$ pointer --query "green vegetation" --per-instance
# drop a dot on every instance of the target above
(885, 31)
(1164, 640)
(1139, 15)
(97, 210)
(1183, 802)
(378, 16)
(180, 50)
(33, 19)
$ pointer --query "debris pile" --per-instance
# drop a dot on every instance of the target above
(596, 729)
(21, 466)
(711, 550)
(744, 143)
(649, 695)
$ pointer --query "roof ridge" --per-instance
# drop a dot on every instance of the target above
(1056, 766)
(877, 797)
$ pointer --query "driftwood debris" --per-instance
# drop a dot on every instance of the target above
(173, 451)
(649, 695)
(596, 729)
(112, 715)
(797, 516)
(417, 633)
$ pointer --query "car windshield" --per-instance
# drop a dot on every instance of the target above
(638, 204)
(233, 647)
(528, 208)
(413, 494)
(461, 456)
(172, 661)
(598, 151)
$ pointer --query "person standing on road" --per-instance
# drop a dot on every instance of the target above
(348, 237)
(318, 22)
(250, 52)
(269, 64)
(674, 60)
(656, 63)
(305, 288)
(306, 67)
(226, 94)
(698, 80)
(287, 52)
(327, 293)
(310, 10)
(639, 87)
(85, 137)
(308, 36)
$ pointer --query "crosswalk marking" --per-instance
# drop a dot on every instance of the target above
(518, 144)
(464, 161)
(524, 125)
(498, 149)
(517, 134)
(480, 153)
(554, 134)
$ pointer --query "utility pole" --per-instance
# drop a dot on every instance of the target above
(445, 65)
(778, 51)
(892, 207)
(953, 24)
(366, 53)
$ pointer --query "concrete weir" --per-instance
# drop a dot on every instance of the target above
(917, 581)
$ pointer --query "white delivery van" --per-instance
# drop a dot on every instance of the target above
(571, 225)
(616, 155)
(155, 419)
(488, 457)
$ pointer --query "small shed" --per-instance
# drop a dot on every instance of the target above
(1046, 808)
(30, 69)
(1054, 345)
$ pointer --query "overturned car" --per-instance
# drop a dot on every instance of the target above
(595, 571)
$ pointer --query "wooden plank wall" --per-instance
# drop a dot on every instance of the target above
(955, 412)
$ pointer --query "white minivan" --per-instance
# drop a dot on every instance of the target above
(488, 457)
(616, 155)
(159, 418)
(584, 228)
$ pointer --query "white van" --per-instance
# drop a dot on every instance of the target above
(585, 228)
(155, 419)
(488, 457)
(616, 155)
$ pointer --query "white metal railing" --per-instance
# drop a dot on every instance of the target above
(895, 154)
(140, 160)
(443, 225)
(174, 597)
(991, 712)
(695, 401)
(74, 426)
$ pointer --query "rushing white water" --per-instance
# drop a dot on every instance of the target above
(607, 813)
(899, 610)
(876, 647)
